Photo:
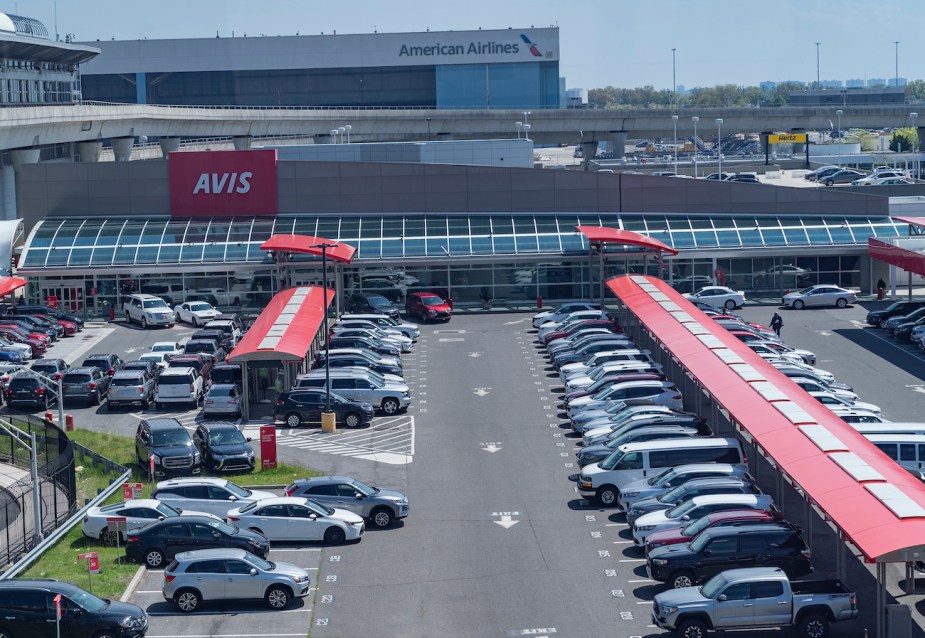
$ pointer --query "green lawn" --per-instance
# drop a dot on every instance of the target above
(61, 562)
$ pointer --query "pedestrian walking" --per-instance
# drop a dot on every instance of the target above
(777, 322)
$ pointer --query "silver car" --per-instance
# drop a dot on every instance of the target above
(379, 506)
(222, 399)
(231, 574)
(386, 322)
(390, 397)
(130, 387)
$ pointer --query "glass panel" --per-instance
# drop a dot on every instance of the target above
(547, 224)
(795, 236)
(459, 246)
(303, 226)
(458, 226)
(573, 243)
(750, 236)
(218, 231)
(504, 245)
(414, 248)
(191, 252)
(213, 252)
(369, 249)
(238, 251)
(818, 235)
(705, 238)
(263, 229)
(153, 232)
(550, 244)
(62, 257)
(435, 226)
(169, 254)
(174, 233)
(435, 246)
(773, 237)
(239, 232)
(371, 228)
(502, 225)
(728, 238)
(146, 255)
(392, 227)
(850, 262)
(524, 225)
(44, 233)
(349, 228)
(826, 264)
(414, 227)
(635, 224)
(679, 223)
(680, 239)
(36, 258)
(768, 222)
(841, 235)
(125, 254)
(328, 228)
(102, 256)
(708, 223)
(86, 236)
(480, 225)
(886, 230)
(861, 232)
(526, 244)
(481, 246)
(392, 248)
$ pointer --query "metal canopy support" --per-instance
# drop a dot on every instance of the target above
(590, 276)
(881, 600)
(245, 390)
(601, 276)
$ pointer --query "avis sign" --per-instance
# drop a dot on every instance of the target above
(223, 183)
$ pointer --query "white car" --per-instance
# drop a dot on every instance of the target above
(213, 495)
(778, 362)
(137, 512)
(196, 313)
(819, 295)
(831, 400)
(787, 352)
(719, 297)
(222, 296)
(876, 177)
(383, 321)
(171, 348)
(560, 313)
(569, 321)
(399, 339)
(623, 365)
(693, 509)
(632, 392)
(293, 518)
(162, 359)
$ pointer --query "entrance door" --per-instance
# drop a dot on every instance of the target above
(69, 299)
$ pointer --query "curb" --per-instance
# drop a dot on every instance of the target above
(133, 584)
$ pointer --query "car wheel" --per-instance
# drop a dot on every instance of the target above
(607, 495)
(798, 304)
(293, 420)
(108, 538)
(154, 558)
(144, 323)
(96, 399)
(390, 406)
(352, 420)
(382, 517)
(176, 317)
(730, 304)
(128, 317)
(195, 321)
(691, 629)
(278, 597)
(813, 626)
(187, 600)
(682, 579)
(334, 536)
(841, 303)
(158, 405)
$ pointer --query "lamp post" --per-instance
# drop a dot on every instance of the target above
(719, 144)
(526, 114)
(896, 76)
(695, 119)
(342, 130)
(839, 113)
(519, 126)
(334, 134)
(674, 83)
(674, 123)
(348, 128)
(817, 65)
(526, 131)
(324, 302)
(915, 132)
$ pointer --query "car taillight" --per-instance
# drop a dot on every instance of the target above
(290, 491)
(854, 602)
(134, 539)
(233, 519)
(57, 376)
(111, 371)
(91, 385)
(233, 402)
(168, 578)
(40, 391)
(278, 402)
(209, 402)
(140, 389)
(191, 389)
(87, 518)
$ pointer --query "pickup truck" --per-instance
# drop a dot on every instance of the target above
(754, 597)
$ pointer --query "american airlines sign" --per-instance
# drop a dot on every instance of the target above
(223, 183)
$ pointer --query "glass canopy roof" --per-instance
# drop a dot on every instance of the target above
(132, 241)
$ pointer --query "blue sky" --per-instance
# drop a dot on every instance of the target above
(603, 42)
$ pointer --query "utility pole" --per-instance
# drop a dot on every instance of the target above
(896, 76)
(818, 83)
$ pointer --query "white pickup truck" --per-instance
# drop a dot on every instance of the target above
(752, 598)
(148, 310)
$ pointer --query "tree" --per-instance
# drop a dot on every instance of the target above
(867, 139)
(901, 140)
(915, 90)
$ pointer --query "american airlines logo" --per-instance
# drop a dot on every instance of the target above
(211, 183)
(223, 183)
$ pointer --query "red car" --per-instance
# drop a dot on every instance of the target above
(584, 325)
(70, 328)
(38, 347)
(427, 307)
(687, 533)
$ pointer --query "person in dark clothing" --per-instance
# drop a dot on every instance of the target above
(777, 322)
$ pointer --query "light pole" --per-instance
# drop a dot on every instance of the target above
(695, 119)
(719, 144)
(348, 128)
(526, 114)
(334, 132)
(674, 123)
(817, 65)
(674, 83)
(838, 113)
(526, 131)
(896, 76)
(915, 132)
(324, 303)
(519, 126)
(342, 130)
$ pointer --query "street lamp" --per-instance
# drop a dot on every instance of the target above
(334, 132)
(838, 113)
(342, 130)
(526, 113)
(519, 126)
(719, 144)
(324, 302)
(817, 64)
(915, 132)
(896, 77)
(348, 128)
(674, 83)
(674, 123)
(526, 131)
(695, 119)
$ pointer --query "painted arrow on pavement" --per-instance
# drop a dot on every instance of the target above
(511, 323)
(492, 447)
(481, 391)
(506, 522)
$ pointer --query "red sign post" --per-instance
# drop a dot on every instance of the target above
(268, 447)
(223, 183)
(131, 490)
(93, 565)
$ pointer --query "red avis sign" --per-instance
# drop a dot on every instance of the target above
(223, 183)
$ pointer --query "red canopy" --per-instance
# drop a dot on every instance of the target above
(303, 244)
(284, 331)
(9, 284)
(912, 221)
(617, 236)
(878, 505)
(904, 258)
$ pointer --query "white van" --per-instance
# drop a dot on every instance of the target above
(639, 460)
(889, 427)
(906, 449)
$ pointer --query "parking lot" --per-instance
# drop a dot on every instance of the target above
(498, 543)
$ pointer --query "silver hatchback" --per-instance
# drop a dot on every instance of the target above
(231, 574)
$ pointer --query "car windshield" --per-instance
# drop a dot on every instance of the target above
(166, 510)
(680, 510)
(163, 347)
(237, 490)
(617, 407)
(806, 291)
(76, 378)
(378, 302)
(152, 357)
(714, 586)
(87, 600)
(697, 526)
(259, 563)
(318, 508)
(226, 437)
(700, 542)
(197, 307)
(171, 437)
(659, 479)
(672, 495)
(155, 303)
(362, 487)
(223, 527)
(612, 459)
(432, 301)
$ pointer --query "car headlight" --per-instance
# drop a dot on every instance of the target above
(253, 543)
(401, 501)
(661, 562)
(130, 623)
(634, 511)
(250, 454)
(197, 457)
(669, 610)
(300, 579)
(156, 458)
(630, 494)
(354, 523)
(645, 528)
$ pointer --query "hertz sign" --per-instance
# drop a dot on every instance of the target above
(793, 138)
(223, 183)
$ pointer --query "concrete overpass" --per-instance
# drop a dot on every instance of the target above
(33, 127)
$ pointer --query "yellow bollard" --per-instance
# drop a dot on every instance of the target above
(328, 422)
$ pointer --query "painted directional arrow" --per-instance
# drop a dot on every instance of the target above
(506, 522)
(476, 354)
(492, 447)
(481, 391)
(511, 323)
(131, 350)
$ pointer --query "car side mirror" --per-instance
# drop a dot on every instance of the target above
(313, 517)
(359, 495)
(722, 598)
(160, 518)
(707, 552)
(686, 517)
(232, 498)
(253, 572)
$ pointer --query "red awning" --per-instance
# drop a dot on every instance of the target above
(617, 236)
(9, 284)
(912, 221)
(908, 260)
(284, 331)
(303, 244)
(878, 506)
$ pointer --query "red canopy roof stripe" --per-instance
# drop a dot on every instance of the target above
(303, 244)
(912, 221)
(286, 327)
(617, 236)
(904, 258)
(757, 396)
(9, 284)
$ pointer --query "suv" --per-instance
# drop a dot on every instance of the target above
(380, 507)
(168, 444)
(28, 608)
(178, 385)
(148, 310)
(295, 407)
(215, 334)
(356, 357)
(718, 549)
(428, 307)
(108, 363)
(366, 388)
(51, 368)
(223, 447)
(211, 495)
(226, 373)
(132, 387)
(231, 574)
(207, 347)
(360, 302)
(688, 490)
(229, 327)
(86, 384)
(878, 317)
(172, 293)
(151, 369)
(27, 391)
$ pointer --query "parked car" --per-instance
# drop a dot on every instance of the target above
(375, 335)
(159, 542)
(201, 363)
(13, 335)
(660, 392)
(386, 327)
(786, 275)
(745, 178)
(387, 322)
(178, 385)
(718, 176)
(295, 407)
(52, 369)
(226, 374)
(293, 518)
(728, 518)
(137, 513)
(223, 448)
(829, 399)
(206, 347)
(379, 347)
(130, 387)
(29, 392)
(159, 359)
(222, 399)
(877, 177)
(229, 327)
(608, 379)
(148, 310)
(821, 172)
(819, 295)
(171, 348)
(688, 490)
(163, 447)
(891, 324)
(363, 387)
(54, 313)
(427, 307)
(561, 312)
(213, 495)
(568, 322)
(599, 452)
(694, 509)
(380, 506)
(151, 369)
(87, 383)
(844, 176)
(353, 357)
(719, 297)
(108, 363)
(206, 575)
(360, 302)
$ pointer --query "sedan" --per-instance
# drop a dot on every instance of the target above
(719, 297)
(160, 359)
(156, 544)
(291, 518)
(844, 176)
(195, 313)
(561, 312)
(137, 513)
(819, 295)
(828, 399)
(167, 347)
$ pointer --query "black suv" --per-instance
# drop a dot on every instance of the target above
(717, 549)
(363, 303)
(108, 363)
(169, 444)
(151, 369)
(226, 341)
(29, 392)
(156, 544)
(295, 407)
(223, 448)
(876, 317)
(208, 347)
(27, 608)
(48, 311)
(51, 368)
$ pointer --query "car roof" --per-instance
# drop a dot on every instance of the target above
(99, 355)
(218, 425)
(333, 478)
(179, 370)
(710, 499)
(40, 583)
(187, 480)
(757, 528)
(47, 361)
(133, 372)
(725, 515)
(81, 370)
(207, 554)
(163, 422)
(715, 480)
(707, 467)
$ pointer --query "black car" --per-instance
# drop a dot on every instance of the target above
(151, 369)
(108, 363)
(50, 327)
(169, 444)
(27, 326)
(368, 344)
(224, 340)
(363, 303)
(208, 347)
(54, 313)
(226, 373)
(877, 317)
(156, 544)
(717, 549)
(358, 361)
(29, 392)
(746, 178)
(51, 368)
(27, 608)
(295, 407)
(223, 448)
(904, 330)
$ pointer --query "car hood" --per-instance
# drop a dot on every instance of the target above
(116, 611)
(793, 295)
(230, 449)
(391, 495)
(680, 596)
(440, 307)
(668, 536)
(655, 518)
(596, 449)
(651, 503)
(205, 313)
(346, 516)
(173, 450)
(670, 551)
(184, 512)
(288, 569)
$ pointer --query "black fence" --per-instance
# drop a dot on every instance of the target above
(57, 482)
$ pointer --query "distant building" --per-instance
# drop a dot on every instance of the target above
(681, 89)
(898, 82)
(576, 98)
(873, 83)
(855, 84)
(846, 97)
(767, 86)
(831, 84)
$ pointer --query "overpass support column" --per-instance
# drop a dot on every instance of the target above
(799, 149)
(169, 145)
(618, 141)
(444, 137)
(9, 184)
(242, 142)
(89, 151)
(20, 156)
(324, 139)
(588, 152)
(122, 148)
